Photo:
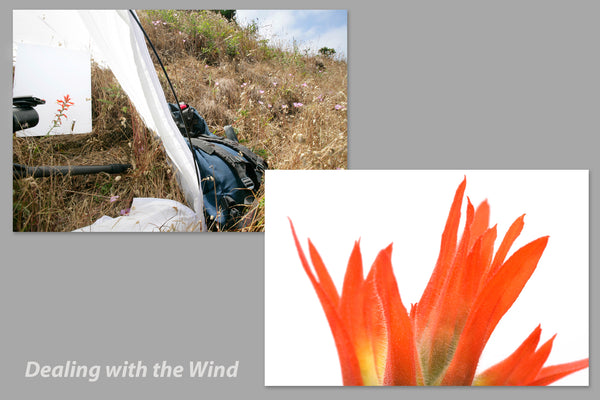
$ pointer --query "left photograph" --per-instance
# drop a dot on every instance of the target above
(166, 120)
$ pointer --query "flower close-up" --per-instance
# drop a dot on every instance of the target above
(438, 340)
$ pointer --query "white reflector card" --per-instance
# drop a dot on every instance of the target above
(51, 74)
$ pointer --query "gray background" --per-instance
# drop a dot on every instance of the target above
(432, 84)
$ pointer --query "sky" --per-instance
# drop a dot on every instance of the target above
(310, 29)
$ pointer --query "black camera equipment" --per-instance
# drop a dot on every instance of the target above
(24, 114)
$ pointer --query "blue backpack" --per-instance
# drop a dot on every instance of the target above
(231, 174)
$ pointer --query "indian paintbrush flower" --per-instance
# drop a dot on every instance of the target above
(64, 104)
(440, 339)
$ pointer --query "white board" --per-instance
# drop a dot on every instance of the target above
(51, 73)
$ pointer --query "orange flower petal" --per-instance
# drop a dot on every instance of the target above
(555, 372)
(442, 268)
(351, 302)
(349, 363)
(528, 368)
(376, 326)
(323, 275)
(499, 374)
(481, 222)
(352, 310)
(513, 232)
(486, 255)
(495, 298)
(438, 342)
(401, 356)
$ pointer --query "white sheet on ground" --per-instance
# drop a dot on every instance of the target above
(149, 215)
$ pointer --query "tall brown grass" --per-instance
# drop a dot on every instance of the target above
(288, 107)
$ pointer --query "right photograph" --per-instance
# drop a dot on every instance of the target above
(427, 278)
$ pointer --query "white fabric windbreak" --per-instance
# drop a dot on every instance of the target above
(122, 47)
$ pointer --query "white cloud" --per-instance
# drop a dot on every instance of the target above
(309, 29)
(335, 38)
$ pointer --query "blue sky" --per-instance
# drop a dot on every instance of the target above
(310, 29)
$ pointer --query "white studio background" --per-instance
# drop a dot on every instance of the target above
(409, 208)
(51, 73)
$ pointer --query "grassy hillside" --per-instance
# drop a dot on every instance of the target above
(286, 106)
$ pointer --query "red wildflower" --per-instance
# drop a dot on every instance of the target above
(440, 341)
(64, 104)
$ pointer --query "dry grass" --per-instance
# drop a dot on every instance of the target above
(289, 108)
